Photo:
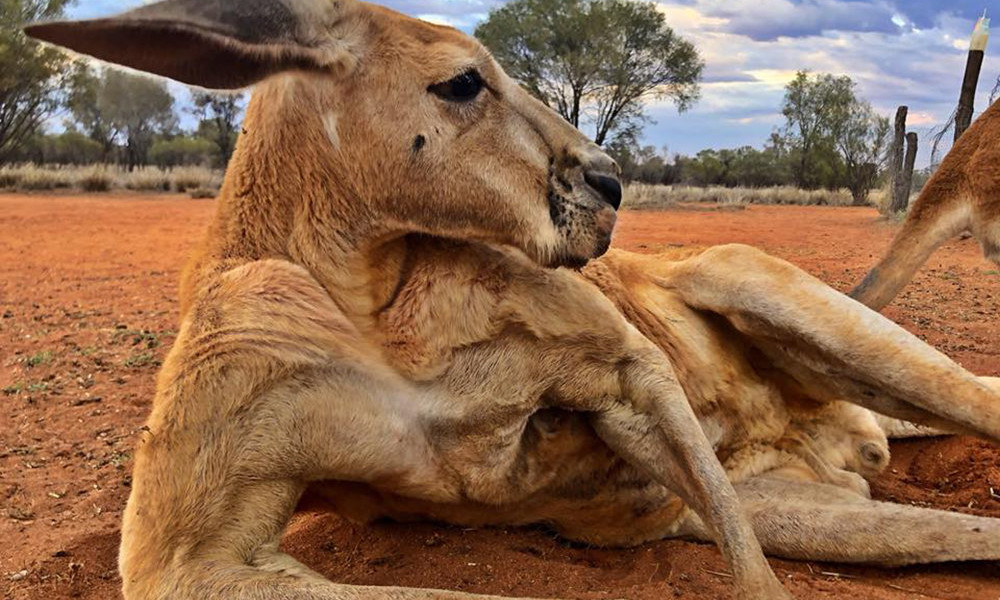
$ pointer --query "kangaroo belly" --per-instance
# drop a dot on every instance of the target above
(589, 495)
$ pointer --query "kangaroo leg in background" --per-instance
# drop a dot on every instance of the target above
(832, 346)
(962, 195)
(815, 521)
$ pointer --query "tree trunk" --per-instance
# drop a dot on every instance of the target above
(862, 181)
(896, 158)
(577, 99)
(963, 116)
(904, 183)
(800, 177)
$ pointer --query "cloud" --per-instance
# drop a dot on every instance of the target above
(924, 13)
(461, 14)
(918, 60)
(771, 19)
(897, 51)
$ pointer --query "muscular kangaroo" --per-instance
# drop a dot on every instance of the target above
(962, 195)
(377, 316)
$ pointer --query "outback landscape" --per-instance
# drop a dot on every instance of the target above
(805, 128)
(88, 306)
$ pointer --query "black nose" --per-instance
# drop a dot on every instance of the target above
(608, 187)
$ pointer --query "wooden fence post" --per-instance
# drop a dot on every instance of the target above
(904, 183)
(973, 65)
(896, 161)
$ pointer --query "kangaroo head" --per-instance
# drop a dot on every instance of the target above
(409, 125)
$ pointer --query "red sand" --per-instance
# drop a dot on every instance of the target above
(88, 309)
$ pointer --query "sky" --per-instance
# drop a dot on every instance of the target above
(909, 52)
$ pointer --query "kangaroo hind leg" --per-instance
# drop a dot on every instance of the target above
(832, 346)
(815, 521)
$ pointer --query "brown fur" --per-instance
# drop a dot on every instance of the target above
(962, 195)
(378, 324)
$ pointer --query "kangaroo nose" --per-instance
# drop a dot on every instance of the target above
(607, 186)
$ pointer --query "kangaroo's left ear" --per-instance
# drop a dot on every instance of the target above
(220, 44)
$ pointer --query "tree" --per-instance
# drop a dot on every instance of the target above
(117, 108)
(183, 150)
(82, 101)
(69, 148)
(837, 139)
(862, 141)
(221, 115)
(31, 77)
(642, 163)
(594, 60)
(815, 109)
(138, 107)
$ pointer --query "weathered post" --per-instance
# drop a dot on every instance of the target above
(966, 101)
(904, 183)
(897, 202)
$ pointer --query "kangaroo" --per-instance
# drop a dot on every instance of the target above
(381, 315)
(962, 195)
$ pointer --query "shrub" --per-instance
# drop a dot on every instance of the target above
(187, 178)
(146, 179)
(183, 150)
(641, 196)
(69, 148)
(9, 178)
(201, 193)
(34, 178)
(102, 178)
(96, 179)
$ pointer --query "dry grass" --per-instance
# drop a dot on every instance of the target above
(881, 198)
(643, 196)
(202, 182)
(102, 178)
(145, 179)
(200, 193)
(99, 179)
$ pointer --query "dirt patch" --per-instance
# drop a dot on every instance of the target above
(88, 309)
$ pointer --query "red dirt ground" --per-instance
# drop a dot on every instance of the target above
(88, 308)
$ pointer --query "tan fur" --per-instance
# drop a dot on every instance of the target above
(377, 323)
(962, 195)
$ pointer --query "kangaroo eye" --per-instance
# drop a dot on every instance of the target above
(464, 88)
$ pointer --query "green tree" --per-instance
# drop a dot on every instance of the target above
(117, 108)
(594, 60)
(220, 115)
(836, 139)
(863, 141)
(138, 107)
(69, 148)
(708, 167)
(642, 163)
(82, 102)
(815, 109)
(183, 150)
(751, 167)
(32, 75)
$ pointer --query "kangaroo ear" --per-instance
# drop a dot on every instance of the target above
(220, 44)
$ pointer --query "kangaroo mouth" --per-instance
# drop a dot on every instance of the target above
(584, 225)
